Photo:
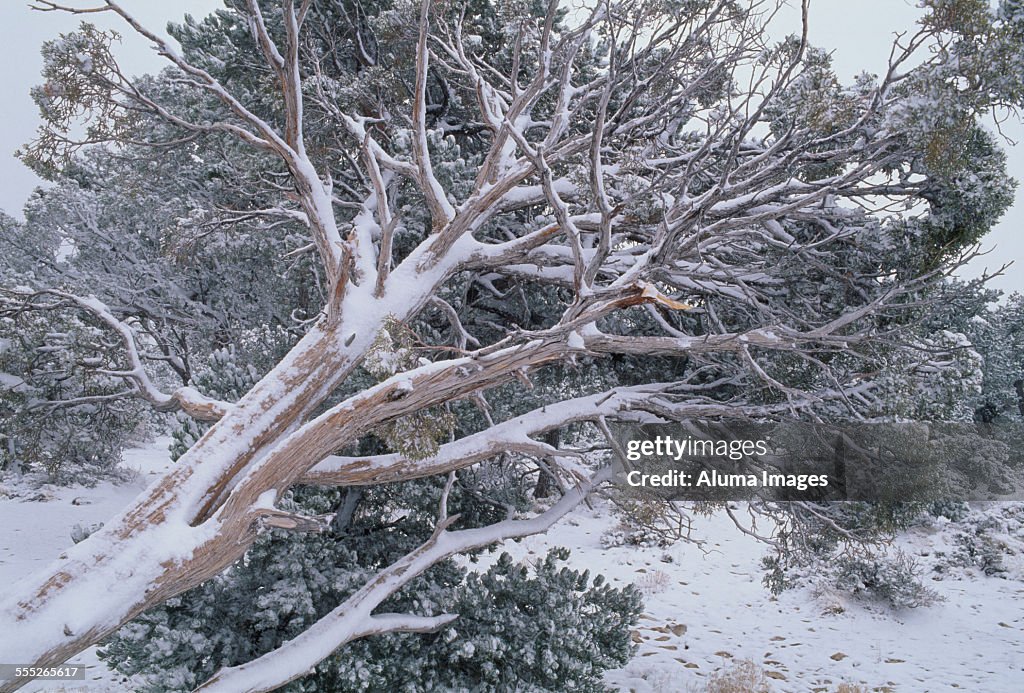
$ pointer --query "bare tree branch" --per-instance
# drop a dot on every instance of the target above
(186, 399)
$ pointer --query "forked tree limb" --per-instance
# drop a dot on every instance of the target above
(186, 399)
(354, 617)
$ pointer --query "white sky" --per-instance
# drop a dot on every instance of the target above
(859, 31)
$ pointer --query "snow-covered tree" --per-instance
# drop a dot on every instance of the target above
(541, 628)
(648, 188)
(998, 335)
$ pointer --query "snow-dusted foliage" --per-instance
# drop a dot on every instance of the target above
(894, 579)
(938, 378)
(107, 231)
(998, 335)
(846, 547)
(922, 477)
(539, 627)
(48, 358)
(488, 228)
(76, 443)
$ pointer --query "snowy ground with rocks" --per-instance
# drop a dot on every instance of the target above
(705, 608)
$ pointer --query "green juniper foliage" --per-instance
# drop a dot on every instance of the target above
(541, 627)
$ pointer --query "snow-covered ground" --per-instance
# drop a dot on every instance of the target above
(704, 609)
(35, 526)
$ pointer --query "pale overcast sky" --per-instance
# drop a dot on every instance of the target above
(860, 32)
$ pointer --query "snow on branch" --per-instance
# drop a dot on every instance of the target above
(354, 618)
(186, 399)
(441, 210)
(314, 196)
(515, 435)
(444, 381)
(638, 404)
(264, 133)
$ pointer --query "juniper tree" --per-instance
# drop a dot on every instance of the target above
(657, 178)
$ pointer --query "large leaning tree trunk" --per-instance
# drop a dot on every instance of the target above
(654, 162)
